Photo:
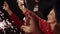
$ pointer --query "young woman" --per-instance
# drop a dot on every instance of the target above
(46, 26)
(34, 29)
(45, 5)
(16, 20)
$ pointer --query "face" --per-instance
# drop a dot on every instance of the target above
(51, 17)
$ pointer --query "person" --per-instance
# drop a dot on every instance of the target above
(13, 16)
(14, 8)
(32, 14)
(16, 20)
(46, 26)
(45, 7)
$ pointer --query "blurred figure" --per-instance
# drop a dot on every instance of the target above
(45, 8)
(17, 21)
(30, 12)
(12, 15)
(46, 26)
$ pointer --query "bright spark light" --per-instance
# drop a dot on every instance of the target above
(2, 24)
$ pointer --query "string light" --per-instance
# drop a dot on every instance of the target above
(6, 25)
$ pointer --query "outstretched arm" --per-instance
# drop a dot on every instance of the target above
(25, 10)
(6, 7)
(16, 20)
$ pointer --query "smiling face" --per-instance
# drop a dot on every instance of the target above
(51, 17)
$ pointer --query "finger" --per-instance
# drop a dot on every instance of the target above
(26, 29)
(25, 24)
(23, 27)
(27, 18)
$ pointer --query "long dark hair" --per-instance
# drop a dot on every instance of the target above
(46, 6)
(57, 11)
(56, 5)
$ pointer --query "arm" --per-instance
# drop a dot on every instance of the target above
(25, 10)
(32, 27)
(16, 20)
(42, 23)
(44, 26)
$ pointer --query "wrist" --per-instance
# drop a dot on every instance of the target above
(9, 11)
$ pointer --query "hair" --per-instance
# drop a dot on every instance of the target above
(57, 12)
(46, 6)
(56, 6)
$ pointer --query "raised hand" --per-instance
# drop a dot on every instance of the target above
(5, 6)
(21, 5)
(32, 27)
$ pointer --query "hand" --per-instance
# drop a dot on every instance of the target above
(20, 4)
(31, 27)
(5, 6)
(26, 28)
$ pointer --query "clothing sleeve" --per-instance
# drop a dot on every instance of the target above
(44, 26)
(16, 20)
